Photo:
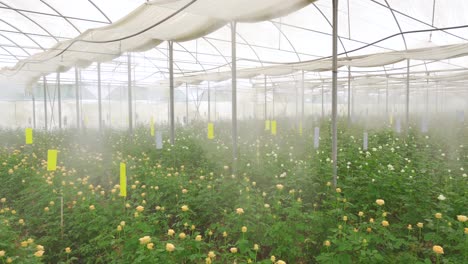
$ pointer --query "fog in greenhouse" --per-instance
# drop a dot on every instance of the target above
(233, 131)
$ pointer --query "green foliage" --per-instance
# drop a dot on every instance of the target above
(279, 192)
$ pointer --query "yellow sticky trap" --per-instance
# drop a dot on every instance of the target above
(29, 136)
(152, 126)
(51, 159)
(300, 128)
(391, 119)
(123, 179)
(273, 127)
(210, 130)
(267, 124)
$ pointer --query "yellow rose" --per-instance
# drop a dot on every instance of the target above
(68, 250)
(170, 247)
(438, 215)
(225, 234)
(233, 250)
(39, 253)
(385, 223)
(280, 262)
(462, 218)
(184, 208)
(380, 202)
(211, 255)
(239, 211)
(91, 207)
(327, 243)
(182, 236)
(9, 260)
(39, 247)
(279, 187)
(150, 246)
(140, 208)
(466, 230)
(273, 258)
(145, 240)
(410, 227)
(338, 190)
(256, 247)
(345, 218)
(198, 238)
(361, 214)
(24, 243)
(2, 253)
(170, 232)
(420, 225)
(438, 249)
(244, 229)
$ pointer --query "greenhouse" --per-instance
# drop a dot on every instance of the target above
(233, 131)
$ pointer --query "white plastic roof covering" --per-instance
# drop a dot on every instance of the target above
(370, 60)
(146, 27)
(303, 35)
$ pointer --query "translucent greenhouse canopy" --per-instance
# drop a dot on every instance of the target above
(40, 37)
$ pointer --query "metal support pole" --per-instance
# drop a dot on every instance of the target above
(130, 112)
(59, 95)
(77, 98)
(234, 93)
(272, 101)
(349, 94)
(303, 99)
(297, 106)
(171, 89)
(323, 109)
(407, 93)
(427, 97)
(335, 92)
(45, 101)
(186, 103)
(209, 103)
(99, 95)
(386, 99)
(266, 105)
(34, 111)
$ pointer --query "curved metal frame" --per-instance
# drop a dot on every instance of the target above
(23, 33)
(30, 19)
(16, 44)
(66, 19)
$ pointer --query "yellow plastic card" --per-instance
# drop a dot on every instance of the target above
(273, 127)
(29, 136)
(210, 130)
(152, 126)
(267, 124)
(51, 159)
(123, 179)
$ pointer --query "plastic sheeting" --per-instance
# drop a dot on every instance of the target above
(146, 27)
(371, 60)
